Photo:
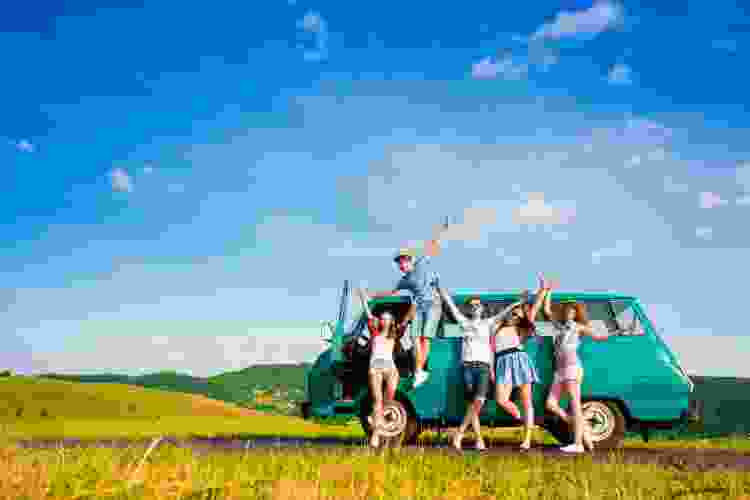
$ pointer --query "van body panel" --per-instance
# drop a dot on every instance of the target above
(639, 371)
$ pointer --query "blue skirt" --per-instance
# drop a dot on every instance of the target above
(515, 368)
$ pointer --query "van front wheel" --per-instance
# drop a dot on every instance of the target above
(605, 423)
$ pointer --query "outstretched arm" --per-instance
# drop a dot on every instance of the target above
(365, 299)
(504, 313)
(452, 306)
(588, 330)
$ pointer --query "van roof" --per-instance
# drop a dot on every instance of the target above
(461, 294)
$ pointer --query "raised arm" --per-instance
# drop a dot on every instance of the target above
(504, 313)
(365, 299)
(540, 296)
(548, 305)
(452, 306)
(380, 295)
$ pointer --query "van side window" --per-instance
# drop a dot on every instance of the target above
(627, 323)
(599, 313)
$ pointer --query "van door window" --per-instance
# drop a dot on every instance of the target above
(627, 322)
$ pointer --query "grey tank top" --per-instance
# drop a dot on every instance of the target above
(567, 341)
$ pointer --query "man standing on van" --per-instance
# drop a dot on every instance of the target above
(427, 306)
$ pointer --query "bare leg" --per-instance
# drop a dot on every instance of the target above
(502, 396)
(376, 389)
(553, 402)
(574, 389)
(425, 351)
(477, 407)
(528, 415)
(468, 417)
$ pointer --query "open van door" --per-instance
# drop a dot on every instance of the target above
(341, 322)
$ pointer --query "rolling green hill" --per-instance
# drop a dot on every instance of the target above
(238, 387)
(31, 398)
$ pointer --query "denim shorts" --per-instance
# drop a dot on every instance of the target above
(426, 322)
(476, 381)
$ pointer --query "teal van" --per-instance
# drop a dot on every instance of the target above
(632, 381)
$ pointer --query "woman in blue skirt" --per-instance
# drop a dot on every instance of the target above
(513, 366)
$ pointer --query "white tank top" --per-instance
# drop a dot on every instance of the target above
(382, 352)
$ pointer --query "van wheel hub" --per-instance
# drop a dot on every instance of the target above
(599, 420)
(394, 420)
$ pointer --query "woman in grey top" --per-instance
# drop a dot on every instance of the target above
(570, 323)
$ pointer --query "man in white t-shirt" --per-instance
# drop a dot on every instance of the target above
(476, 354)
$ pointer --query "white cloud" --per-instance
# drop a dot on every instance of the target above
(622, 248)
(349, 250)
(120, 180)
(620, 74)
(645, 130)
(536, 212)
(25, 146)
(506, 68)
(726, 45)
(670, 186)
(511, 260)
(742, 175)
(705, 233)
(743, 200)
(600, 17)
(633, 161)
(656, 155)
(314, 24)
(710, 200)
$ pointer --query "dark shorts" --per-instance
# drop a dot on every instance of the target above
(476, 381)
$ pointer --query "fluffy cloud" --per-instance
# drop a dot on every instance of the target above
(120, 180)
(620, 74)
(742, 175)
(710, 200)
(314, 25)
(600, 17)
(622, 248)
(24, 146)
(200, 356)
(670, 186)
(506, 68)
(705, 233)
(536, 212)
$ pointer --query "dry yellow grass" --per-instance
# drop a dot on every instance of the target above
(168, 472)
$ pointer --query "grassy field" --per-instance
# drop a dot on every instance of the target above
(169, 472)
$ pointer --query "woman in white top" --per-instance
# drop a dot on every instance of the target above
(570, 323)
(513, 366)
(383, 335)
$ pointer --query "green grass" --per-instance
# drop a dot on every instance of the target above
(169, 472)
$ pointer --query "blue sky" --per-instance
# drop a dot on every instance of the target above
(181, 179)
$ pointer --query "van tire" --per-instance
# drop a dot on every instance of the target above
(400, 416)
(608, 428)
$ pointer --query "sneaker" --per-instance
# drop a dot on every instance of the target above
(375, 440)
(420, 378)
(480, 445)
(572, 448)
(525, 446)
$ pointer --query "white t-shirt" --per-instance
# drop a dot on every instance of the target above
(476, 340)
